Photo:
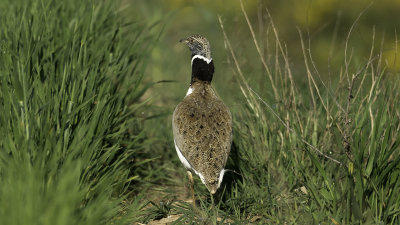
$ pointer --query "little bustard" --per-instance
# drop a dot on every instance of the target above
(201, 122)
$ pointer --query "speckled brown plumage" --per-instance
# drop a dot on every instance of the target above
(202, 127)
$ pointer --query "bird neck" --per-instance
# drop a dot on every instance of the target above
(202, 88)
(202, 69)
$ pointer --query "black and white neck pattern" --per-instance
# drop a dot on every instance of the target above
(202, 68)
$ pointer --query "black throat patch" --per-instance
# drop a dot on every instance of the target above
(201, 70)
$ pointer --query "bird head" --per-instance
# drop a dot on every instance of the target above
(198, 45)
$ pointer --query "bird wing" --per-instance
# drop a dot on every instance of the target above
(203, 133)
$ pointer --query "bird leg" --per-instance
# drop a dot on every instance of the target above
(191, 187)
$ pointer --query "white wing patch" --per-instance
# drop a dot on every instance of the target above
(182, 158)
(221, 176)
(187, 164)
(189, 91)
(201, 57)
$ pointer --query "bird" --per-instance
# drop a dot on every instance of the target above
(201, 122)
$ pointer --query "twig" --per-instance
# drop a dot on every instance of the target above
(346, 131)
(347, 121)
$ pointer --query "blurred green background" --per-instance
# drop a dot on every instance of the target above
(325, 25)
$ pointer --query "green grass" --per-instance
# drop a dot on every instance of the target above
(72, 142)
(84, 143)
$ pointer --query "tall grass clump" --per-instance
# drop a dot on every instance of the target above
(69, 98)
(316, 150)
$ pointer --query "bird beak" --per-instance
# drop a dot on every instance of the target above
(184, 41)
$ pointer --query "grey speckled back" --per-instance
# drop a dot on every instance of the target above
(202, 127)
